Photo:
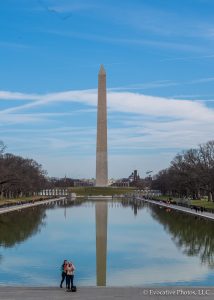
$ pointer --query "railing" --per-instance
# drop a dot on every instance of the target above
(54, 192)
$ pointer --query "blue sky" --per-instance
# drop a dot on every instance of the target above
(159, 58)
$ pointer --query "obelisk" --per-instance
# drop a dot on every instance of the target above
(101, 153)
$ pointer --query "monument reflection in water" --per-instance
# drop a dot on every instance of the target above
(101, 241)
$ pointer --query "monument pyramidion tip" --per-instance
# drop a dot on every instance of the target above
(102, 70)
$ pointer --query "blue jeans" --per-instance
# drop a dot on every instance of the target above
(69, 281)
(63, 278)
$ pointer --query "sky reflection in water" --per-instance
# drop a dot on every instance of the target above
(145, 245)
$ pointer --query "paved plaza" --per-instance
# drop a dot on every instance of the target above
(106, 293)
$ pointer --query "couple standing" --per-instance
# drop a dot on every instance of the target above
(67, 269)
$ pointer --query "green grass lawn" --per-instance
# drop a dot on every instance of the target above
(202, 203)
(97, 191)
(23, 199)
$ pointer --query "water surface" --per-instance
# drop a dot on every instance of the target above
(114, 243)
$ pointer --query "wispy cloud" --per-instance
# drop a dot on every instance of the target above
(125, 102)
(72, 7)
(140, 18)
(166, 23)
(41, 100)
(65, 9)
(13, 45)
(163, 44)
(9, 95)
(137, 123)
(147, 85)
(192, 96)
(203, 80)
(186, 58)
(20, 118)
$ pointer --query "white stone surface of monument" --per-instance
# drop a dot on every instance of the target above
(101, 151)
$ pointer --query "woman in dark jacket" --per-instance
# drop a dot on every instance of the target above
(64, 271)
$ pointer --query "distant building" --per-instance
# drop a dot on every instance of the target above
(133, 180)
(123, 182)
(111, 181)
(134, 176)
(84, 182)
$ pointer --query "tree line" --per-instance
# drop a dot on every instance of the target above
(190, 174)
(24, 177)
(19, 177)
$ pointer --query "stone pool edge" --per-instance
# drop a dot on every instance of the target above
(27, 205)
(205, 215)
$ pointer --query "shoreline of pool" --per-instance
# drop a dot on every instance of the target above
(4, 210)
(183, 209)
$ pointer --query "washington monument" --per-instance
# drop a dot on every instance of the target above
(101, 153)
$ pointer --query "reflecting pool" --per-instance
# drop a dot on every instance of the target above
(113, 243)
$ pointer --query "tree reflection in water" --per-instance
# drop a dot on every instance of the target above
(17, 226)
(192, 234)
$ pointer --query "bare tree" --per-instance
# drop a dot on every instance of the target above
(20, 176)
(2, 147)
(191, 173)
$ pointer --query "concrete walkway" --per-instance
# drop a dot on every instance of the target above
(4, 210)
(206, 215)
(107, 293)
